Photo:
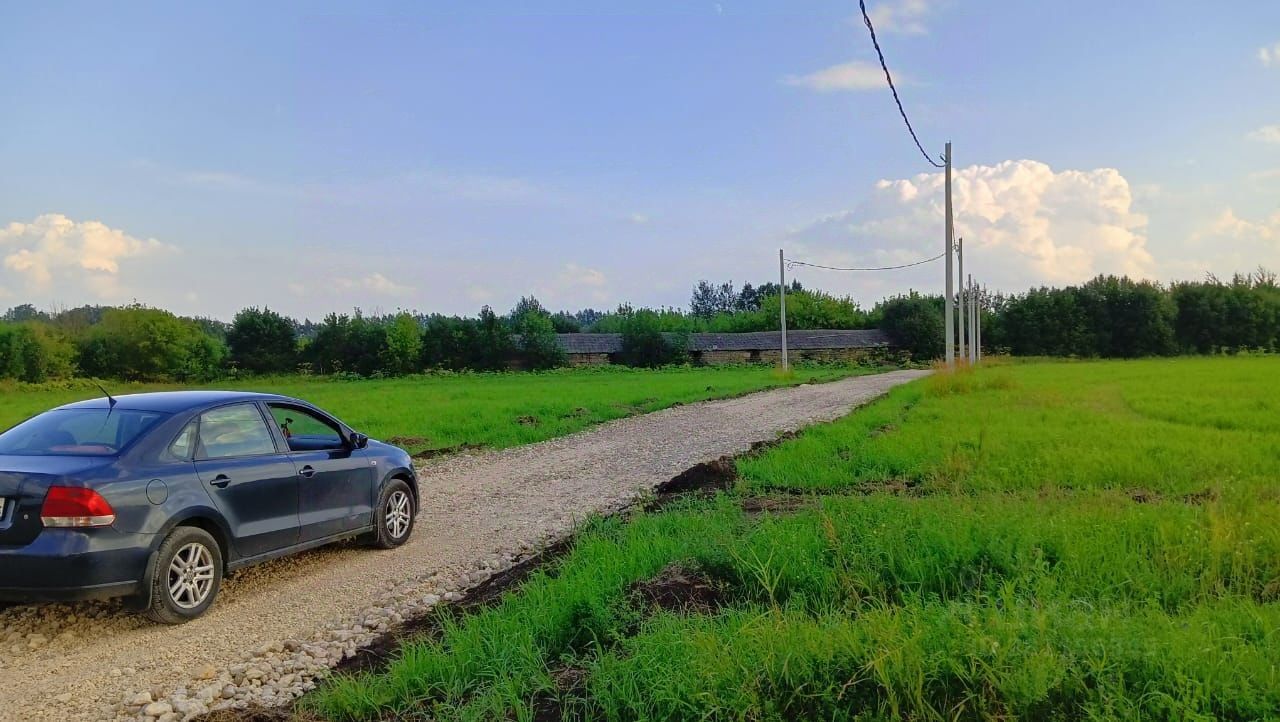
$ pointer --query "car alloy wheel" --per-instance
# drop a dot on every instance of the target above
(394, 515)
(184, 576)
(399, 513)
(191, 576)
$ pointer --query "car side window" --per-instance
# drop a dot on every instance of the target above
(304, 430)
(236, 430)
(183, 446)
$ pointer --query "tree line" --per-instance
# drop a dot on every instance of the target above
(1108, 316)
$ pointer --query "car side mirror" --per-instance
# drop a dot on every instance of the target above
(359, 440)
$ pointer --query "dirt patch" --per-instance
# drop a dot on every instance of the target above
(577, 413)
(896, 487)
(408, 441)
(260, 714)
(570, 682)
(885, 429)
(1147, 496)
(446, 451)
(1204, 496)
(527, 420)
(678, 588)
(755, 505)
(710, 476)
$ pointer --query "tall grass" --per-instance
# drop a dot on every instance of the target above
(1032, 541)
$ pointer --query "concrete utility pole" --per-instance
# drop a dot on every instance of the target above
(977, 326)
(964, 300)
(972, 310)
(782, 306)
(949, 315)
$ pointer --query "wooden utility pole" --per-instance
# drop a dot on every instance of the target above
(949, 314)
(782, 306)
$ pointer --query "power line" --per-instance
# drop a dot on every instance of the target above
(791, 263)
(867, 19)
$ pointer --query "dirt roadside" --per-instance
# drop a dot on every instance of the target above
(278, 626)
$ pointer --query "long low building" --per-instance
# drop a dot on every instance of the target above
(585, 349)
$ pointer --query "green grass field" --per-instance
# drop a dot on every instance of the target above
(1037, 541)
(441, 411)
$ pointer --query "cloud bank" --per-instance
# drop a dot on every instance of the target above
(54, 251)
(1023, 222)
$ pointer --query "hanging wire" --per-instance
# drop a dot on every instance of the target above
(793, 264)
(867, 19)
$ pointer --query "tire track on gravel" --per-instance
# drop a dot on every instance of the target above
(277, 626)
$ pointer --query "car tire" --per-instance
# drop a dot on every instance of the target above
(185, 576)
(394, 516)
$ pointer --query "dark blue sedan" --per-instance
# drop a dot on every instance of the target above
(155, 497)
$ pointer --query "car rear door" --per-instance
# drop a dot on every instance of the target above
(252, 482)
(335, 481)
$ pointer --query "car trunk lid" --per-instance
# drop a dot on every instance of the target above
(24, 481)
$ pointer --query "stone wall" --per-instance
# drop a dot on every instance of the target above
(589, 359)
(879, 354)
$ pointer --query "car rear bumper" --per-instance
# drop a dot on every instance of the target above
(74, 564)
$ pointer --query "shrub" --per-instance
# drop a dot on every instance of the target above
(915, 323)
(137, 343)
(32, 352)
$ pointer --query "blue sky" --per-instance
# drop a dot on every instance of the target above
(316, 157)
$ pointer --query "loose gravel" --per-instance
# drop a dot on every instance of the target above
(278, 628)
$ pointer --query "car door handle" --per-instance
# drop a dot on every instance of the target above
(221, 481)
(307, 471)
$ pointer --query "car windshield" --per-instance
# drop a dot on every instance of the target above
(78, 432)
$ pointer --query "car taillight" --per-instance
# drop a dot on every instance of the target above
(73, 506)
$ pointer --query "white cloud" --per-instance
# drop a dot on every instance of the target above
(1269, 56)
(375, 283)
(1266, 134)
(575, 285)
(854, 75)
(638, 219)
(1023, 224)
(1230, 226)
(1228, 244)
(900, 16)
(54, 251)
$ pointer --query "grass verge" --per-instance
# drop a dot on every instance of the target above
(448, 411)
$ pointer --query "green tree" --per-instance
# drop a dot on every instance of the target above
(538, 345)
(262, 341)
(352, 344)
(492, 345)
(644, 343)
(403, 350)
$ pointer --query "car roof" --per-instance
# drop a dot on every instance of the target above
(172, 402)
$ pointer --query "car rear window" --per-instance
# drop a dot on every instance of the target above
(78, 432)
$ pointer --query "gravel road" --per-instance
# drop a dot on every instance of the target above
(278, 627)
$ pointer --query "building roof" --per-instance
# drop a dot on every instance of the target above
(582, 343)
